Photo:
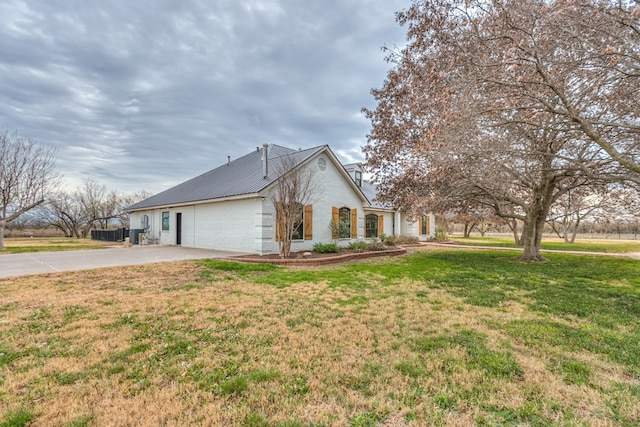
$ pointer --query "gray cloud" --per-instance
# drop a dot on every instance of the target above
(146, 94)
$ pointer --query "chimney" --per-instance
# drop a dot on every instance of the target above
(265, 161)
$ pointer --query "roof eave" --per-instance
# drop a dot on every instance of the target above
(347, 177)
(199, 202)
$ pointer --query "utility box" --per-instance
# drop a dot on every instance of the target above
(134, 235)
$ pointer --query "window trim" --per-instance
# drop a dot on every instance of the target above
(358, 178)
(305, 225)
(166, 221)
(300, 226)
(346, 232)
(369, 218)
(424, 225)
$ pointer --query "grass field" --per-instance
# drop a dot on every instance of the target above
(40, 244)
(553, 243)
(438, 337)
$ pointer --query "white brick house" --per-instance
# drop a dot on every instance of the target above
(231, 208)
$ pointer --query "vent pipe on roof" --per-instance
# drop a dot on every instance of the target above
(265, 161)
(228, 160)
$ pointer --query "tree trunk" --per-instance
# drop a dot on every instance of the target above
(575, 231)
(532, 235)
(467, 230)
(1, 235)
(513, 225)
(285, 243)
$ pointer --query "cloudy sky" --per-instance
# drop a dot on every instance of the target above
(144, 94)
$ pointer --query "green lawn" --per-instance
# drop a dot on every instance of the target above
(438, 337)
(42, 244)
(552, 243)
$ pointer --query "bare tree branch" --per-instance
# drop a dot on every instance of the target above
(27, 172)
(294, 189)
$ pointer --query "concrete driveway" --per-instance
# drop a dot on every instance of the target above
(51, 262)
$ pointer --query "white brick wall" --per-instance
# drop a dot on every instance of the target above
(229, 226)
(331, 190)
(247, 225)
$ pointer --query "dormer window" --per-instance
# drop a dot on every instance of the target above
(358, 178)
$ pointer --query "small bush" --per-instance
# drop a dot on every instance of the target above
(340, 229)
(326, 248)
(358, 246)
(388, 240)
(377, 246)
(441, 235)
(404, 239)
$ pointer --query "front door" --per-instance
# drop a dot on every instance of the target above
(179, 228)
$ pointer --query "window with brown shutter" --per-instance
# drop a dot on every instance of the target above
(308, 222)
(371, 225)
(279, 221)
(424, 225)
(354, 223)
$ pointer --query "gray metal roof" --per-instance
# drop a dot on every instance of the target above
(350, 166)
(239, 177)
(370, 191)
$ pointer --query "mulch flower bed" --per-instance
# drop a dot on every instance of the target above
(315, 258)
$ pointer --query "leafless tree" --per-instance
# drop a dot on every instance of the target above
(292, 196)
(90, 206)
(99, 205)
(574, 207)
(480, 218)
(620, 211)
(506, 104)
(27, 172)
(129, 199)
(64, 212)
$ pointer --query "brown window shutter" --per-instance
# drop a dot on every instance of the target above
(279, 221)
(354, 223)
(420, 225)
(380, 224)
(335, 218)
(308, 222)
(428, 218)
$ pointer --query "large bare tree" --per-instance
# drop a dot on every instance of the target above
(292, 196)
(508, 104)
(64, 212)
(100, 205)
(90, 206)
(128, 199)
(574, 207)
(27, 173)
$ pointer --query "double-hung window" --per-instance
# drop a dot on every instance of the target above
(371, 226)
